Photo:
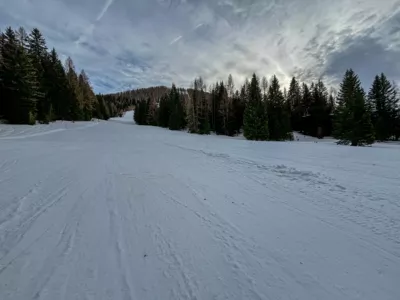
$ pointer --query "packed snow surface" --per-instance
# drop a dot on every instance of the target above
(112, 210)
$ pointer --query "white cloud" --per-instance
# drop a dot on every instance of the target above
(308, 38)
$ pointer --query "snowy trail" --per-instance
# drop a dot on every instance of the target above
(118, 211)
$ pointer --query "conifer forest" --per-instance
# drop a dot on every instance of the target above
(35, 86)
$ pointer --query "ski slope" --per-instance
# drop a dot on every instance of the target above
(111, 210)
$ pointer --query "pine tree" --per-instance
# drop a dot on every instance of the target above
(151, 116)
(224, 111)
(177, 116)
(37, 50)
(238, 106)
(88, 96)
(141, 112)
(382, 100)
(203, 110)
(255, 118)
(3, 101)
(74, 92)
(294, 99)
(319, 110)
(278, 116)
(19, 84)
(57, 86)
(164, 111)
(264, 84)
(192, 108)
(352, 120)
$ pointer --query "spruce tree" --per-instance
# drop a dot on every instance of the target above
(3, 101)
(238, 106)
(151, 116)
(57, 84)
(319, 110)
(74, 92)
(177, 116)
(88, 96)
(352, 119)
(225, 110)
(19, 84)
(37, 50)
(203, 110)
(192, 108)
(278, 116)
(294, 98)
(255, 118)
(164, 111)
(382, 100)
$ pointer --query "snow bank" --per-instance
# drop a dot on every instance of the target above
(23, 131)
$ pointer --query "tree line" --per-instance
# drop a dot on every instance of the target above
(35, 86)
(263, 111)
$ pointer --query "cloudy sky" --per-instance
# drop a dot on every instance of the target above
(125, 44)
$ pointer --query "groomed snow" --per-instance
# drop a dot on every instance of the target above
(105, 210)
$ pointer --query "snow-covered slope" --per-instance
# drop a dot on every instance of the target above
(126, 118)
(127, 212)
(24, 131)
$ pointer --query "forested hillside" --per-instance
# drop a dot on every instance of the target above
(264, 110)
(36, 86)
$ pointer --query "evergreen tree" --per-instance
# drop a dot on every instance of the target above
(57, 86)
(88, 96)
(37, 50)
(264, 84)
(294, 98)
(164, 111)
(203, 110)
(141, 112)
(177, 116)
(192, 108)
(34, 85)
(318, 110)
(278, 116)
(19, 84)
(74, 92)
(383, 102)
(352, 120)
(255, 118)
(151, 116)
(224, 111)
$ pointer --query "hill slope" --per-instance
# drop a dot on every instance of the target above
(97, 213)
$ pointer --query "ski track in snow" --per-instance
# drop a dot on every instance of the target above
(119, 211)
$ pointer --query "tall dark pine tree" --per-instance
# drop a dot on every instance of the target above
(238, 106)
(38, 54)
(164, 111)
(319, 110)
(203, 110)
(255, 121)
(294, 98)
(3, 101)
(306, 100)
(88, 97)
(56, 84)
(74, 92)
(177, 116)
(18, 82)
(224, 112)
(278, 116)
(192, 107)
(352, 120)
(383, 101)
